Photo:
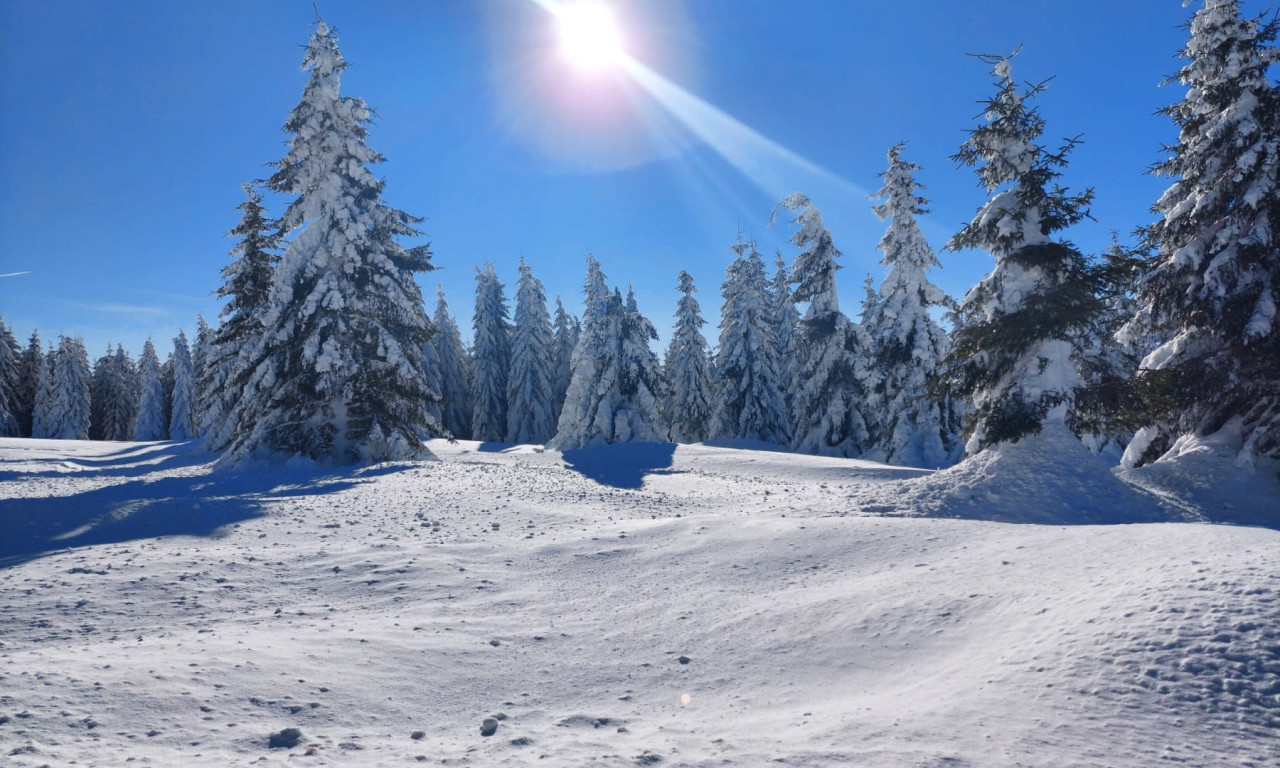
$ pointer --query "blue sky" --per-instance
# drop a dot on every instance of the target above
(129, 127)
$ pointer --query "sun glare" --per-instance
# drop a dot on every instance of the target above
(589, 35)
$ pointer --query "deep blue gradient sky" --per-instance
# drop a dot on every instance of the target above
(129, 126)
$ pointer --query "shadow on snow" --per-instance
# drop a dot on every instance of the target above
(623, 465)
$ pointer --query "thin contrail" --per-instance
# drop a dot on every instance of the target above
(15, 274)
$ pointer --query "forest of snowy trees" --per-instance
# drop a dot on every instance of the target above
(326, 349)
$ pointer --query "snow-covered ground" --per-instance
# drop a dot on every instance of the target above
(634, 605)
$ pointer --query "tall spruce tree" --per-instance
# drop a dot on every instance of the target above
(150, 422)
(1021, 335)
(749, 403)
(455, 371)
(199, 361)
(912, 426)
(246, 286)
(687, 367)
(1212, 284)
(786, 335)
(829, 389)
(338, 374)
(490, 358)
(10, 379)
(120, 411)
(182, 408)
(64, 402)
(531, 410)
(567, 329)
(30, 375)
(98, 385)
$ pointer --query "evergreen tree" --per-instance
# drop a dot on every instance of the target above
(98, 394)
(912, 426)
(455, 376)
(490, 358)
(150, 422)
(64, 402)
(749, 402)
(1021, 335)
(566, 338)
(338, 374)
(199, 362)
(829, 393)
(531, 411)
(121, 409)
(30, 380)
(687, 368)
(785, 321)
(1211, 286)
(10, 382)
(182, 417)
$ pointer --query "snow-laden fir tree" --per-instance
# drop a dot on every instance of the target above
(912, 426)
(612, 393)
(829, 389)
(182, 413)
(166, 383)
(490, 358)
(749, 403)
(687, 367)
(199, 360)
(98, 384)
(785, 321)
(1212, 284)
(338, 374)
(455, 371)
(10, 377)
(247, 289)
(1021, 333)
(531, 410)
(30, 380)
(566, 329)
(115, 397)
(63, 406)
(150, 421)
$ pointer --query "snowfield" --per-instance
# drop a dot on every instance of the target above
(634, 605)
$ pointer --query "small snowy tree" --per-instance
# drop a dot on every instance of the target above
(490, 358)
(749, 402)
(687, 367)
(30, 378)
(829, 395)
(182, 416)
(1021, 336)
(150, 422)
(64, 402)
(455, 376)
(913, 426)
(338, 374)
(566, 338)
(1212, 284)
(531, 411)
(10, 379)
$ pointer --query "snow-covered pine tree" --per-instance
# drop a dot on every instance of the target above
(246, 286)
(455, 375)
(1020, 338)
(490, 358)
(10, 378)
(829, 391)
(199, 360)
(531, 411)
(687, 367)
(567, 329)
(64, 402)
(150, 421)
(338, 375)
(785, 321)
(637, 418)
(120, 412)
(166, 383)
(913, 426)
(749, 403)
(182, 417)
(30, 378)
(98, 387)
(1211, 287)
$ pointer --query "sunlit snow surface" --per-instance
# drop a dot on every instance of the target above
(821, 619)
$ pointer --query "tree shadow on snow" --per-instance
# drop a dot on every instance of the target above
(200, 505)
(132, 461)
(623, 465)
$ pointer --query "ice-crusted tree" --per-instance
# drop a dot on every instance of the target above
(531, 411)
(98, 385)
(612, 394)
(30, 378)
(10, 378)
(687, 367)
(182, 408)
(115, 397)
(455, 371)
(490, 358)
(829, 391)
(64, 401)
(247, 289)
(150, 422)
(749, 403)
(566, 329)
(1211, 286)
(199, 359)
(338, 374)
(1021, 334)
(785, 320)
(912, 425)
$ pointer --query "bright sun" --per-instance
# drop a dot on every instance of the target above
(589, 35)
